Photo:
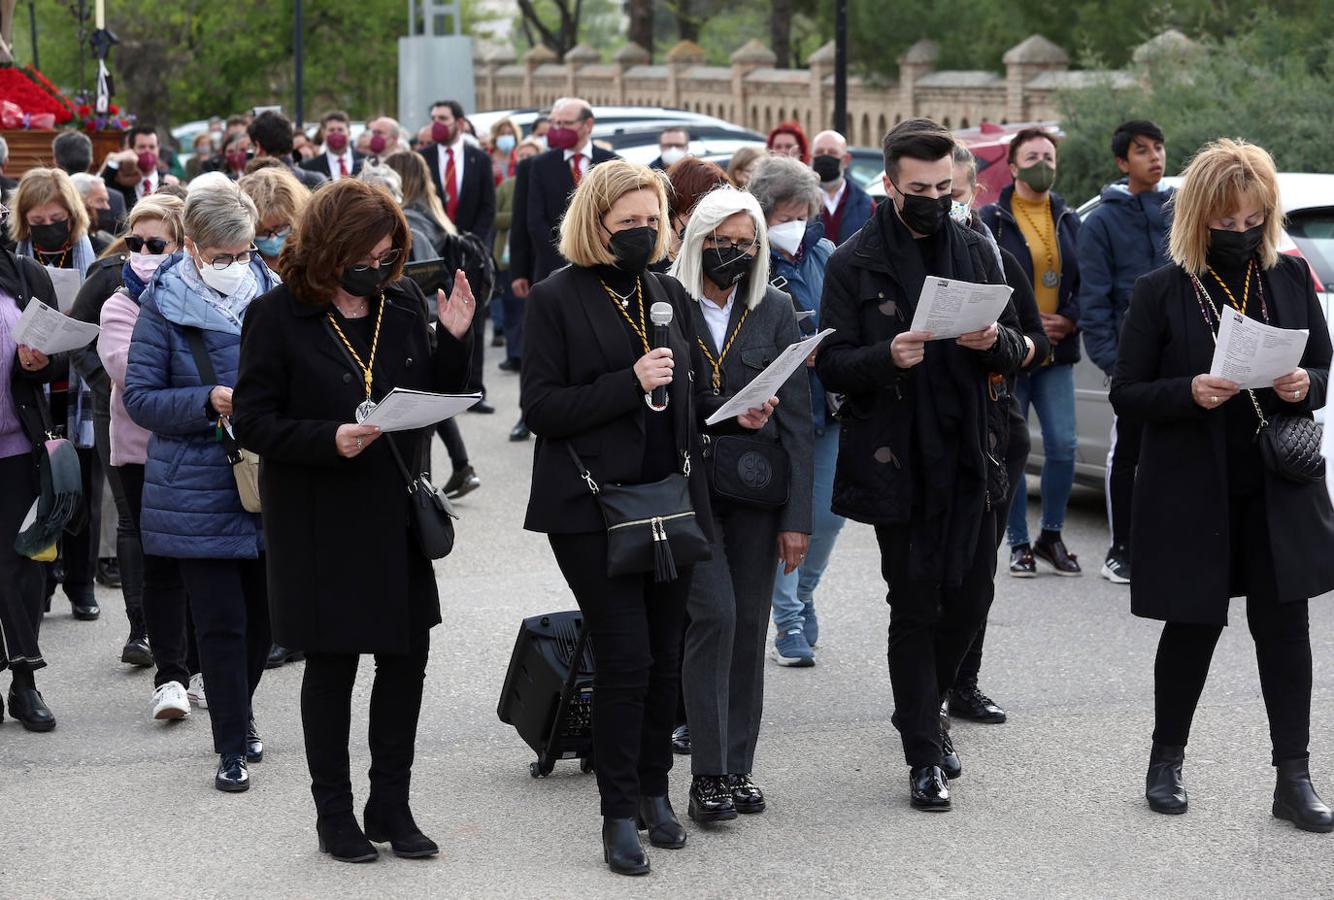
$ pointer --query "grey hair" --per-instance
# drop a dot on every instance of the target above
(381, 176)
(218, 213)
(83, 183)
(710, 212)
(781, 179)
(72, 151)
(964, 157)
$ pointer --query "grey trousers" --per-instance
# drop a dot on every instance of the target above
(722, 672)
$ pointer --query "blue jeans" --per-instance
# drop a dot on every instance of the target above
(1051, 391)
(791, 591)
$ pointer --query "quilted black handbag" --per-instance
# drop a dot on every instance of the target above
(1290, 446)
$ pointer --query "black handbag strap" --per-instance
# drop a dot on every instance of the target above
(208, 375)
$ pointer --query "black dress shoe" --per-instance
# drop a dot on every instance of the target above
(462, 482)
(520, 432)
(949, 759)
(281, 656)
(509, 365)
(233, 776)
(930, 789)
(1055, 554)
(108, 573)
(85, 608)
(27, 706)
(1163, 786)
(136, 652)
(393, 824)
(711, 799)
(254, 744)
(681, 740)
(621, 848)
(481, 406)
(1295, 798)
(664, 828)
(746, 794)
(1022, 563)
(341, 837)
(970, 703)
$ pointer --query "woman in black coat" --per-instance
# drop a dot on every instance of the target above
(1210, 520)
(345, 576)
(587, 372)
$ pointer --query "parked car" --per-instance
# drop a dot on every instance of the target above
(607, 118)
(1308, 204)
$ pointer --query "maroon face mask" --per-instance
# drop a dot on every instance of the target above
(442, 133)
(147, 161)
(562, 139)
(378, 143)
(336, 141)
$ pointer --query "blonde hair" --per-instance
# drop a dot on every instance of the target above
(581, 230)
(164, 208)
(713, 209)
(275, 191)
(39, 187)
(1222, 176)
(418, 189)
(500, 123)
(741, 160)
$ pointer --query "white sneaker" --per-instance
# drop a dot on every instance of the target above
(169, 702)
(196, 691)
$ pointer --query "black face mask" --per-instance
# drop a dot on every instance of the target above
(363, 283)
(51, 237)
(106, 221)
(633, 247)
(923, 214)
(1234, 249)
(726, 267)
(829, 168)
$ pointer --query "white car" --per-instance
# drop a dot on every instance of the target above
(607, 119)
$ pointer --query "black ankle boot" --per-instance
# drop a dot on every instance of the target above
(393, 824)
(1163, 786)
(1295, 798)
(664, 828)
(621, 848)
(341, 837)
(27, 706)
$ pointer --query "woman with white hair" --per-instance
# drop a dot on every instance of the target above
(178, 384)
(760, 492)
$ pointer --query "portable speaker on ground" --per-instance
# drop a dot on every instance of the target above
(548, 692)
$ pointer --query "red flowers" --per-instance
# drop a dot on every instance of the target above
(33, 93)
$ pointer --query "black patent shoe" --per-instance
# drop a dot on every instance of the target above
(1022, 563)
(664, 828)
(520, 432)
(1295, 798)
(136, 652)
(85, 609)
(1058, 557)
(394, 825)
(27, 706)
(281, 656)
(233, 776)
(341, 837)
(746, 794)
(1163, 786)
(930, 789)
(254, 744)
(711, 799)
(621, 849)
(970, 703)
(681, 740)
(949, 757)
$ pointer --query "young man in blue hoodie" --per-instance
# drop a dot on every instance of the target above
(1124, 238)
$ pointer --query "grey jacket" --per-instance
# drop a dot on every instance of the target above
(769, 328)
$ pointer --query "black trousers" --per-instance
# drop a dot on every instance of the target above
(167, 618)
(476, 381)
(21, 579)
(326, 719)
(129, 550)
(635, 627)
(230, 603)
(1282, 648)
(78, 550)
(454, 446)
(930, 630)
(1122, 462)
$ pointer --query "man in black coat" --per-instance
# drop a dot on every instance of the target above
(338, 160)
(921, 455)
(137, 170)
(271, 135)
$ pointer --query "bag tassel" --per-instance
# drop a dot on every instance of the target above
(664, 564)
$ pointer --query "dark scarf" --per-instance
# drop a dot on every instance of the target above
(948, 468)
(134, 285)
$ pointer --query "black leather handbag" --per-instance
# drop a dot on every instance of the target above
(430, 515)
(650, 527)
(747, 471)
(1290, 446)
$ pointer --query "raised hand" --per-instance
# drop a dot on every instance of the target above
(456, 310)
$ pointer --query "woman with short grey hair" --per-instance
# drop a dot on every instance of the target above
(781, 181)
(178, 384)
(381, 176)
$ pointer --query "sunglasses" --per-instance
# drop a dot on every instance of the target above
(156, 246)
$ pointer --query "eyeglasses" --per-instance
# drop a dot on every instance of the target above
(388, 258)
(228, 259)
(713, 242)
(156, 246)
(283, 232)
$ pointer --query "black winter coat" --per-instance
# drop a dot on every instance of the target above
(1179, 524)
(344, 574)
(26, 387)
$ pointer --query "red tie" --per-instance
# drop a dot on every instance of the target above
(342, 167)
(451, 188)
(148, 187)
(575, 171)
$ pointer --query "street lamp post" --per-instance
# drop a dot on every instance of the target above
(298, 53)
(841, 66)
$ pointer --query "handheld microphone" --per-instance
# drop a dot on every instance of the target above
(661, 314)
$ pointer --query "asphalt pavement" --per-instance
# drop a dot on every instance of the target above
(1050, 804)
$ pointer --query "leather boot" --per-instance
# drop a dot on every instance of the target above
(393, 824)
(1295, 798)
(621, 848)
(1163, 786)
(27, 706)
(341, 837)
(664, 828)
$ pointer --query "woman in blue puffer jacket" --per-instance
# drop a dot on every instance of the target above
(192, 510)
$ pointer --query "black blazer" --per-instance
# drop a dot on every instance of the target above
(541, 195)
(578, 385)
(1179, 520)
(344, 576)
(320, 165)
(477, 200)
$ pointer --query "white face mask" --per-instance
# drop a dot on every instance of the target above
(145, 264)
(787, 237)
(224, 281)
(961, 212)
(673, 155)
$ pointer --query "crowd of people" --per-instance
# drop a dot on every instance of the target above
(255, 303)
